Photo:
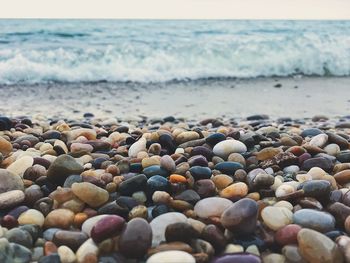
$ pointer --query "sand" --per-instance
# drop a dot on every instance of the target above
(296, 98)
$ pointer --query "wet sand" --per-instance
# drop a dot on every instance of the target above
(282, 97)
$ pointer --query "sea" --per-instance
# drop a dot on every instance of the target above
(69, 51)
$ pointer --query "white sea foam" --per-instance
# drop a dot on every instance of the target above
(150, 51)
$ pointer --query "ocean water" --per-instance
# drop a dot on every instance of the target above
(41, 51)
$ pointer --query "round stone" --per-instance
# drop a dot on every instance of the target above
(167, 163)
(88, 250)
(31, 216)
(136, 239)
(287, 235)
(66, 254)
(5, 146)
(228, 168)
(19, 236)
(235, 191)
(60, 218)
(19, 166)
(221, 181)
(10, 181)
(276, 217)
(137, 147)
(72, 239)
(107, 227)
(241, 217)
(224, 148)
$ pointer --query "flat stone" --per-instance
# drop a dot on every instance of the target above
(71, 239)
(320, 162)
(136, 239)
(241, 217)
(316, 247)
(211, 207)
(317, 220)
(228, 168)
(91, 194)
(62, 167)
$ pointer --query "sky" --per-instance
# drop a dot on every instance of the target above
(177, 9)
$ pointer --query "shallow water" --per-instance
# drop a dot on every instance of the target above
(37, 51)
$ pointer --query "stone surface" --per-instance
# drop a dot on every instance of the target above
(60, 218)
(317, 220)
(91, 194)
(171, 257)
(107, 227)
(19, 166)
(63, 166)
(31, 216)
(211, 207)
(11, 198)
(276, 217)
(225, 148)
(10, 181)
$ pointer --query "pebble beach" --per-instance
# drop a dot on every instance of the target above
(255, 189)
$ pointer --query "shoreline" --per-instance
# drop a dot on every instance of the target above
(235, 98)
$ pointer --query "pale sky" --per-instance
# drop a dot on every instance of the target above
(177, 9)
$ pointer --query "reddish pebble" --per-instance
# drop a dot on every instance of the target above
(107, 227)
(49, 248)
(9, 222)
(287, 235)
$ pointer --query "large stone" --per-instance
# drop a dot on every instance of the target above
(225, 148)
(10, 181)
(31, 216)
(136, 239)
(317, 220)
(11, 198)
(211, 207)
(241, 217)
(19, 166)
(60, 218)
(276, 217)
(107, 227)
(62, 167)
(316, 247)
(91, 194)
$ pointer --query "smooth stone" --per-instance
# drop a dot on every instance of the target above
(202, 150)
(31, 216)
(292, 254)
(189, 196)
(228, 168)
(107, 227)
(87, 249)
(66, 254)
(332, 149)
(199, 172)
(137, 147)
(205, 188)
(317, 220)
(316, 247)
(136, 239)
(214, 236)
(337, 139)
(319, 140)
(241, 217)
(72, 239)
(160, 223)
(274, 258)
(13, 253)
(155, 170)
(172, 256)
(91, 194)
(276, 217)
(320, 162)
(344, 156)
(258, 179)
(292, 169)
(60, 218)
(19, 166)
(10, 181)
(11, 198)
(198, 160)
(19, 236)
(211, 207)
(5, 146)
(215, 138)
(90, 223)
(52, 258)
(75, 178)
(157, 183)
(50, 233)
(310, 132)
(287, 235)
(168, 163)
(267, 153)
(63, 166)
(225, 148)
(222, 181)
(316, 188)
(342, 177)
(234, 191)
(237, 258)
(132, 184)
(186, 136)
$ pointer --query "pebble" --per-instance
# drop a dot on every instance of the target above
(66, 254)
(61, 218)
(315, 247)
(91, 194)
(241, 217)
(171, 257)
(225, 148)
(19, 166)
(317, 220)
(237, 258)
(31, 216)
(10, 181)
(211, 207)
(87, 251)
(11, 199)
(235, 191)
(276, 217)
(72, 239)
(5, 146)
(63, 166)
